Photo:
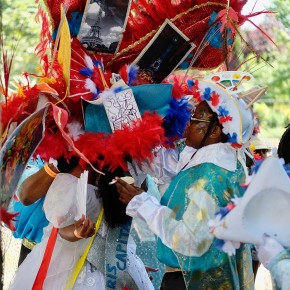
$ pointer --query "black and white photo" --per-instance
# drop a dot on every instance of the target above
(103, 24)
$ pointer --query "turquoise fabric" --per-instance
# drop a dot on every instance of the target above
(155, 97)
(31, 219)
(214, 268)
(96, 119)
(282, 272)
(147, 249)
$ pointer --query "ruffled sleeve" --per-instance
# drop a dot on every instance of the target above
(60, 204)
(184, 236)
(163, 167)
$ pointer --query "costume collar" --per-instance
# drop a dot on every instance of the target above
(220, 154)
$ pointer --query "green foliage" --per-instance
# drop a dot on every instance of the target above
(282, 7)
(20, 28)
(274, 112)
(272, 116)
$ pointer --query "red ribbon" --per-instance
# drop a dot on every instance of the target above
(42, 271)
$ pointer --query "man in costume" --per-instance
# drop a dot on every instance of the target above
(206, 176)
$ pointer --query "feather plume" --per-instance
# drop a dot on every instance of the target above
(53, 145)
(89, 62)
(136, 141)
(74, 130)
(91, 86)
(176, 119)
(6, 62)
(132, 73)
(45, 38)
(8, 218)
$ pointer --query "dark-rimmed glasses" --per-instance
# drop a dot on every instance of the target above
(193, 119)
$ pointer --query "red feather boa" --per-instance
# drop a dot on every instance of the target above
(136, 141)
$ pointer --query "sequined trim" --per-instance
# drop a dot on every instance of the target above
(170, 269)
(28, 244)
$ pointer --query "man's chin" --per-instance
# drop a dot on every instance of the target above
(188, 144)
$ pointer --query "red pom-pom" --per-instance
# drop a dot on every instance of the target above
(215, 99)
(225, 119)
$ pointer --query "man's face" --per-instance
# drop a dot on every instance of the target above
(198, 125)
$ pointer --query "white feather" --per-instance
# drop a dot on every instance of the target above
(74, 130)
(89, 62)
(91, 86)
(106, 94)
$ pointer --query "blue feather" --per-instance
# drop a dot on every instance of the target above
(132, 74)
(176, 118)
(223, 211)
(98, 63)
(86, 72)
(190, 84)
(75, 23)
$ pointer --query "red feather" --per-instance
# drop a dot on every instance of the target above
(8, 218)
(136, 141)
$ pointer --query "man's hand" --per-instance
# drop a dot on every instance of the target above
(126, 191)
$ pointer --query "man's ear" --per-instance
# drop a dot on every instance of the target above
(216, 132)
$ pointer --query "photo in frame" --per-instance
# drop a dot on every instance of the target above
(103, 24)
(166, 50)
(17, 150)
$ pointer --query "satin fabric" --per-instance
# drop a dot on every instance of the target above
(180, 221)
(280, 270)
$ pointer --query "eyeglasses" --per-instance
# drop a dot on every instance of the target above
(193, 119)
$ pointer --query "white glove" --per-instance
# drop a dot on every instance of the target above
(267, 251)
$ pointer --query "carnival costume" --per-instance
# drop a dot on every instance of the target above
(201, 181)
(82, 84)
(60, 210)
(31, 219)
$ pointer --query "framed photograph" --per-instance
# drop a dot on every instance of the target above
(103, 24)
(17, 150)
(166, 50)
